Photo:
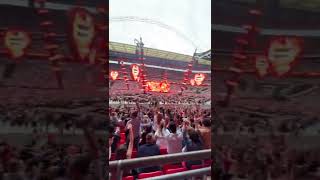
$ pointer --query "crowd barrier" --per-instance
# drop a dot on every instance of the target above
(116, 168)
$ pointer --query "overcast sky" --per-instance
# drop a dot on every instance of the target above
(189, 17)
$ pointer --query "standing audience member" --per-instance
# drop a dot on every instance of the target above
(149, 149)
(160, 135)
(174, 139)
(136, 118)
(205, 133)
(192, 142)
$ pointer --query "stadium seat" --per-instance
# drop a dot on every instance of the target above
(128, 178)
(172, 171)
(207, 163)
(183, 163)
(149, 175)
(163, 151)
(196, 166)
(171, 166)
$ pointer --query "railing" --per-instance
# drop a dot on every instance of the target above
(117, 167)
(191, 174)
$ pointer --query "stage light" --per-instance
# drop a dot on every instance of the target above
(199, 78)
(283, 53)
(155, 86)
(83, 32)
(135, 71)
(114, 75)
(16, 42)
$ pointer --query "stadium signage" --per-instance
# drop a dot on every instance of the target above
(283, 53)
(82, 32)
(16, 42)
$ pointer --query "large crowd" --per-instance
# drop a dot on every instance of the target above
(264, 121)
(265, 159)
(262, 158)
(53, 160)
(254, 145)
(152, 124)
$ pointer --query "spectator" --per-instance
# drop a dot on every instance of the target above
(174, 140)
(160, 135)
(192, 142)
(149, 149)
(205, 133)
(136, 118)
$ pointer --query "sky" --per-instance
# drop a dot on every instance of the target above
(190, 18)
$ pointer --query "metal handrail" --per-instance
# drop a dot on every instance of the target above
(128, 164)
(117, 167)
(183, 175)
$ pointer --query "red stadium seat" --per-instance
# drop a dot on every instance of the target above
(207, 163)
(149, 175)
(163, 151)
(172, 171)
(196, 166)
(183, 163)
(171, 166)
(128, 178)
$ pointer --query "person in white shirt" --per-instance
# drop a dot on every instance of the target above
(174, 139)
(160, 135)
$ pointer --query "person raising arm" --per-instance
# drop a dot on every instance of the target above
(131, 141)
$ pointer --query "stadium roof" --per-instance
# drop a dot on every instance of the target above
(131, 49)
